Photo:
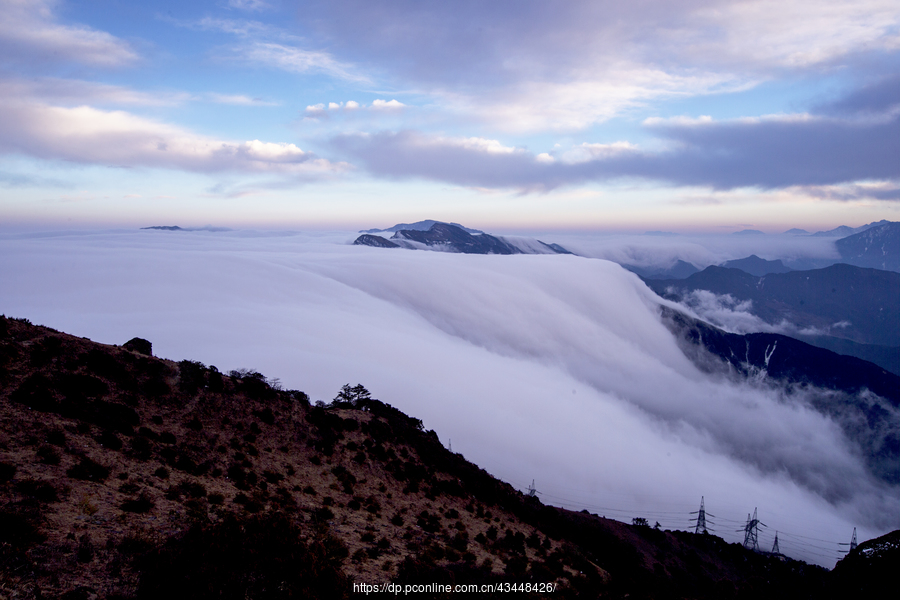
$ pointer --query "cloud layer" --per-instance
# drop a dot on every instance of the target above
(120, 139)
(556, 368)
(30, 34)
(533, 66)
(770, 152)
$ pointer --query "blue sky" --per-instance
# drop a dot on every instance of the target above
(693, 115)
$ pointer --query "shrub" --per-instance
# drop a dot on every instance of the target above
(191, 377)
(42, 491)
(110, 440)
(323, 514)
(193, 489)
(84, 553)
(129, 488)
(140, 346)
(140, 505)
(57, 437)
(88, 470)
(48, 455)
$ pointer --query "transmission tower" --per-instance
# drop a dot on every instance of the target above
(532, 491)
(775, 548)
(751, 532)
(701, 518)
(853, 540)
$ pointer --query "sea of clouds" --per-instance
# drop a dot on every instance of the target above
(556, 369)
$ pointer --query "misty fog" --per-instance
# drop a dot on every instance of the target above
(552, 368)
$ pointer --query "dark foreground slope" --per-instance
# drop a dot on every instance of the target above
(123, 475)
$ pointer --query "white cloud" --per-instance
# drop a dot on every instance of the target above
(239, 27)
(387, 104)
(117, 138)
(587, 151)
(274, 47)
(794, 34)
(585, 99)
(239, 100)
(29, 33)
(297, 60)
(73, 92)
(249, 5)
(474, 144)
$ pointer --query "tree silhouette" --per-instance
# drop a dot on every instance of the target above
(351, 396)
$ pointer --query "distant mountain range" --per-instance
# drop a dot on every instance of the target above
(844, 230)
(877, 247)
(679, 270)
(177, 228)
(449, 237)
(846, 308)
(757, 266)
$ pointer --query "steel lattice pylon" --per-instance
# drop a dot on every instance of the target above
(751, 533)
(701, 519)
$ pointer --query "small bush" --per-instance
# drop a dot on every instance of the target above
(48, 455)
(84, 553)
(110, 440)
(42, 491)
(57, 437)
(193, 489)
(323, 514)
(129, 488)
(139, 505)
(88, 470)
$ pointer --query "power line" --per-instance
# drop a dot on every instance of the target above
(684, 520)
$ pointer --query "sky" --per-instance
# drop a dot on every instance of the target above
(698, 115)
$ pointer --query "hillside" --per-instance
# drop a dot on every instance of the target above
(123, 475)
(847, 309)
(877, 247)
